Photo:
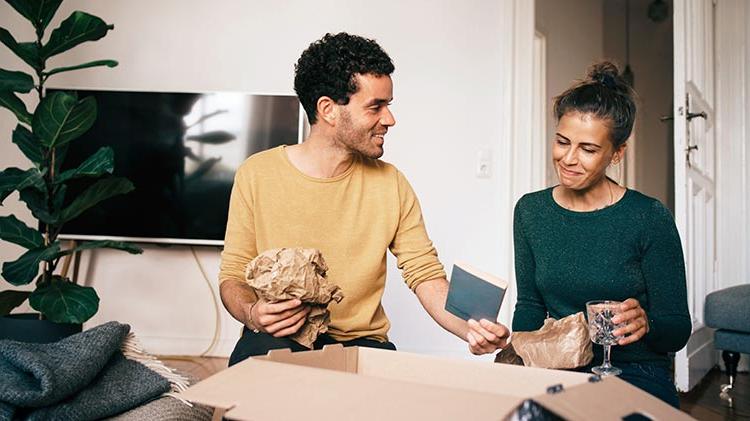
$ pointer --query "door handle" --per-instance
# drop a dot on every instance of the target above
(701, 114)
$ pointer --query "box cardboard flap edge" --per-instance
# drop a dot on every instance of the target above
(258, 389)
(406, 385)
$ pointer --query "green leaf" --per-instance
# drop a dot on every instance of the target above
(61, 118)
(37, 203)
(108, 63)
(99, 191)
(23, 270)
(60, 153)
(10, 101)
(16, 232)
(11, 299)
(100, 163)
(217, 137)
(15, 81)
(38, 12)
(28, 144)
(26, 51)
(79, 27)
(118, 245)
(62, 301)
(15, 179)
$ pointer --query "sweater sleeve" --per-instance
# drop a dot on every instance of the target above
(530, 310)
(663, 268)
(415, 254)
(239, 240)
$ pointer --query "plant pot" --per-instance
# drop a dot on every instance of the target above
(27, 327)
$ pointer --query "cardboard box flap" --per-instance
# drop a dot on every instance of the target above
(608, 399)
(424, 369)
(481, 376)
(264, 390)
(331, 357)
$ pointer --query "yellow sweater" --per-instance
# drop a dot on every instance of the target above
(352, 219)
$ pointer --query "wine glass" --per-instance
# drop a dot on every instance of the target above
(601, 330)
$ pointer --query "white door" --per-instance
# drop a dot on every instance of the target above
(694, 177)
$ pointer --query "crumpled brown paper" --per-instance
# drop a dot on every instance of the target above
(563, 343)
(288, 273)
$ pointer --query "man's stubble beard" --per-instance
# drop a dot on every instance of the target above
(356, 142)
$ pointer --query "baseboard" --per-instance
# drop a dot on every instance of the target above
(160, 345)
(695, 360)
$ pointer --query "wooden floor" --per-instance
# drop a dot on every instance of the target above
(702, 403)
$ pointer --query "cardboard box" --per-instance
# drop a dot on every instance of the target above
(339, 383)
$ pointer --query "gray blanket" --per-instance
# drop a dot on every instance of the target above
(82, 377)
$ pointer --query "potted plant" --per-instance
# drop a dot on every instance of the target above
(43, 135)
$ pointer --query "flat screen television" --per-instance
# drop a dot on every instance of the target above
(181, 151)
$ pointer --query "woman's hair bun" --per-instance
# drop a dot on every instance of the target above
(605, 73)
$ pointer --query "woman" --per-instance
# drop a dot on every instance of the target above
(589, 238)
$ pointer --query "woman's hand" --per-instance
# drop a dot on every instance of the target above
(635, 319)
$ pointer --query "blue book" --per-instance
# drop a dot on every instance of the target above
(473, 294)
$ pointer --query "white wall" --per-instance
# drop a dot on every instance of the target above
(452, 95)
(733, 137)
(574, 31)
(733, 151)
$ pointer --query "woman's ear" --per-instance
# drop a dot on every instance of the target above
(327, 110)
(619, 154)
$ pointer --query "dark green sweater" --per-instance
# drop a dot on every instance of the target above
(630, 249)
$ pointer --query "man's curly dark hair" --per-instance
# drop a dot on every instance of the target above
(328, 68)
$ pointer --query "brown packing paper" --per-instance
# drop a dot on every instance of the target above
(558, 344)
(288, 273)
(508, 355)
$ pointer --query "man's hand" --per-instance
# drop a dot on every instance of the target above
(278, 319)
(485, 337)
(635, 319)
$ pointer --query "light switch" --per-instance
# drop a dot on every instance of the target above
(484, 163)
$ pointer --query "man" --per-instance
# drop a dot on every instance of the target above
(332, 193)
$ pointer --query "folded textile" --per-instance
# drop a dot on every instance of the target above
(81, 377)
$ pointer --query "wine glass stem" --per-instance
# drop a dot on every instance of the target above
(607, 348)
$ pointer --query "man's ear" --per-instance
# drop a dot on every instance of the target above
(327, 110)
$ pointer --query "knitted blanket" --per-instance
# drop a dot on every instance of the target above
(82, 377)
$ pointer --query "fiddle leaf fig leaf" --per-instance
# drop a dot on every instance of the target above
(97, 192)
(62, 301)
(108, 63)
(26, 51)
(38, 12)
(15, 81)
(78, 28)
(100, 163)
(12, 179)
(28, 144)
(16, 232)
(12, 102)
(10, 299)
(61, 118)
(23, 270)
